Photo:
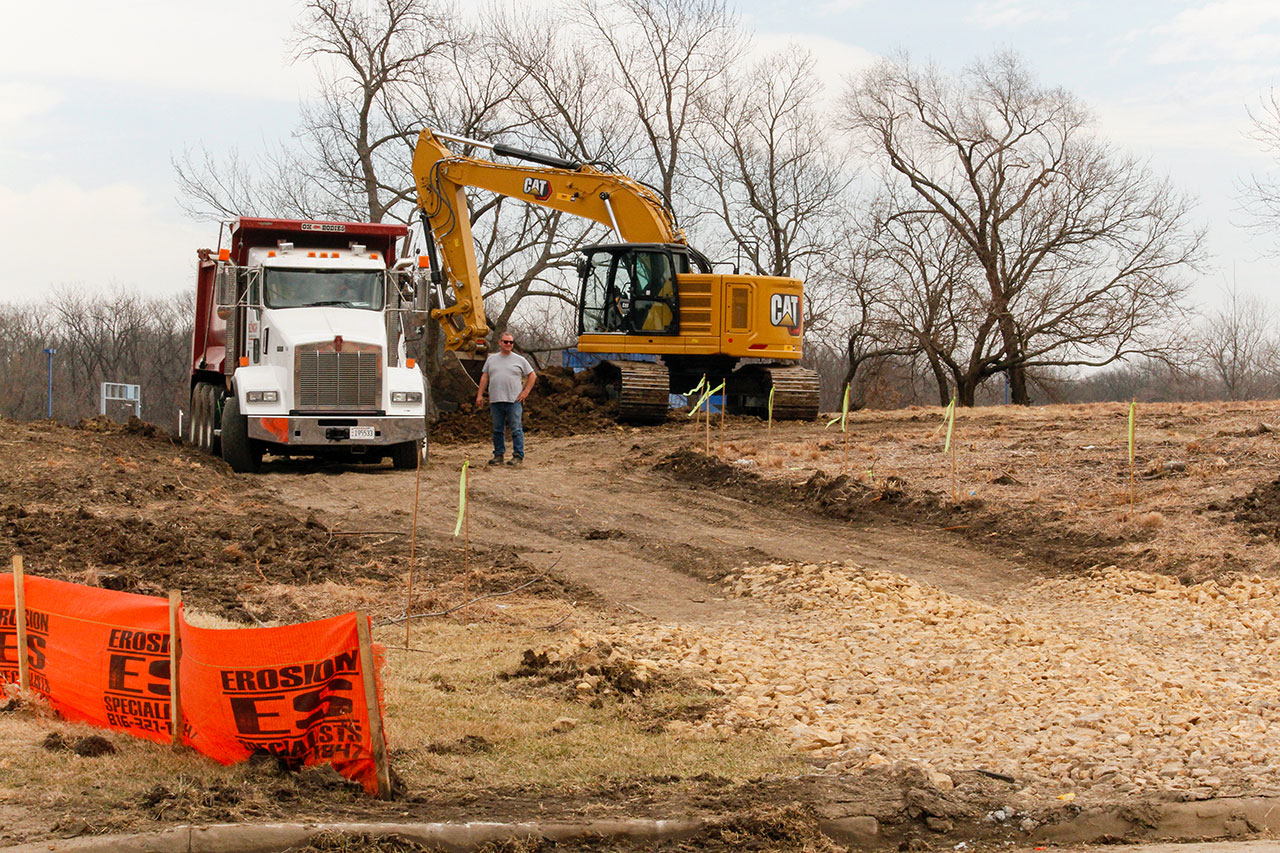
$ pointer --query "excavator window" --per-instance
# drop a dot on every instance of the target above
(630, 290)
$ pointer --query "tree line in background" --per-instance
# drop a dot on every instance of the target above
(113, 336)
(964, 234)
(1233, 353)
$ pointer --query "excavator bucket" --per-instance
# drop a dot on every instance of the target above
(472, 365)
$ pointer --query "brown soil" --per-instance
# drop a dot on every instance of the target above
(562, 403)
(644, 524)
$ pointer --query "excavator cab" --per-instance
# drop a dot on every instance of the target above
(631, 288)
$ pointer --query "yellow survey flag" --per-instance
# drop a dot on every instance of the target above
(462, 497)
(771, 390)
(949, 417)
(844, 411)
(706, 395)
(1133, 404)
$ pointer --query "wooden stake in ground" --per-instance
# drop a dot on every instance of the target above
(413, 542)
(769, 431)
(1133, 405)
(20, 614)
(843, 419)
(377, 740)
(464, 525)
(724, 400)
(175, 662)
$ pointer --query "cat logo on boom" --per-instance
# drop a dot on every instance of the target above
(538, 188)
(784, 310)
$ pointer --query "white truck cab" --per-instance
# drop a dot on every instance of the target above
(315, 326)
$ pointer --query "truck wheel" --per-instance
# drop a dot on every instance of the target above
(215, 420)
(405, 456)
(242, 453)
(201, 426)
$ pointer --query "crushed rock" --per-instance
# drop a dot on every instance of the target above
(1124, 681)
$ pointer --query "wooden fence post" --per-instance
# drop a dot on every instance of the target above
(175, 658)
(20, 616)
(371, 703)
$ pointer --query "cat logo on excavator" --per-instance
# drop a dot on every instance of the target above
(538, 188)
(784, 310)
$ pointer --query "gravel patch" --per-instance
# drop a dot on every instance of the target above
(1117, 683)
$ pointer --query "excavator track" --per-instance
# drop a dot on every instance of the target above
(642, 387)
(795, 391)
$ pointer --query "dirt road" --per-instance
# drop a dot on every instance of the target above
(594, 508)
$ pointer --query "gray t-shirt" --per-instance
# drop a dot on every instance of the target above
(506, 376)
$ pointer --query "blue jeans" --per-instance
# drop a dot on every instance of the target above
(507, 415)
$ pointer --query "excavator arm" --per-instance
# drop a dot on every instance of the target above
(631, 209)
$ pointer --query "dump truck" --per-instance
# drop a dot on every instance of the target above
(300, 344)
(650, 293)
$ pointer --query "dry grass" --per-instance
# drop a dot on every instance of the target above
(455, 728)
(1065, 469)
(455, 724)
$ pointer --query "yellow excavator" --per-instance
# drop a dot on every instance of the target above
(648, 294)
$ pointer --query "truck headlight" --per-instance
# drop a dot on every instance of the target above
(406, 396)
(262, 396)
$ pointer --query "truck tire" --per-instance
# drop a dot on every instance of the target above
(242, 453)
(405, 456)
(215, 420)
(201, 420)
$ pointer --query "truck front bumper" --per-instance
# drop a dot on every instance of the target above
(336, 430)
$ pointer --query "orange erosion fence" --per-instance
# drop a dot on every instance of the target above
(308, 693)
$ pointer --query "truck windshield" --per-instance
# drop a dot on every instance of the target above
(303, 288)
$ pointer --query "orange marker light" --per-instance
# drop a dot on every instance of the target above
(311, 254)
(244, 361)
(271, 254)
(224, 254)
(373, 255)
(411, 362)
(424, 262)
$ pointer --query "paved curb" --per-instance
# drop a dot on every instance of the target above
(272, 837)
(1209, 820)
(1204, 820)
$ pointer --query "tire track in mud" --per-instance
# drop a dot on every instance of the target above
(642, 539)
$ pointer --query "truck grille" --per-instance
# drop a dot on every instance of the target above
(336, 381)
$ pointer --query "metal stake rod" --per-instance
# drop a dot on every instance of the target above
(49, 351)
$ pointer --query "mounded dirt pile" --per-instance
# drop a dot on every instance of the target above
(562, 403)
(130, 508)
(1259, 510)
(893, 498)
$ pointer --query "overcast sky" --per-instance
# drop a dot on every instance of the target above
(93, 109)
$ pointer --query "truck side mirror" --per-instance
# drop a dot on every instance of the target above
(421, 290)
(225, 286)
(584, 267)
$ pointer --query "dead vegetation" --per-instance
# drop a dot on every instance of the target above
(548, 701)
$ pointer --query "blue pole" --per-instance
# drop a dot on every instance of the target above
(49, 351)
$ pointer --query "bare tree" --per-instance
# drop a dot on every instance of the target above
(663, 57)
(1081, 250)
(770, 177)
(1261, 193)
(348, 161)
(1239, 345)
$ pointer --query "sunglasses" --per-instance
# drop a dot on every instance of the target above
(506, 342)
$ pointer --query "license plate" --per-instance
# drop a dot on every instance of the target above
(362, 432)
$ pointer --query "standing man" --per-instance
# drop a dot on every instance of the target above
(508, 378)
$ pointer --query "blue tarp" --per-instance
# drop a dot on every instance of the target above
(580, 361)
